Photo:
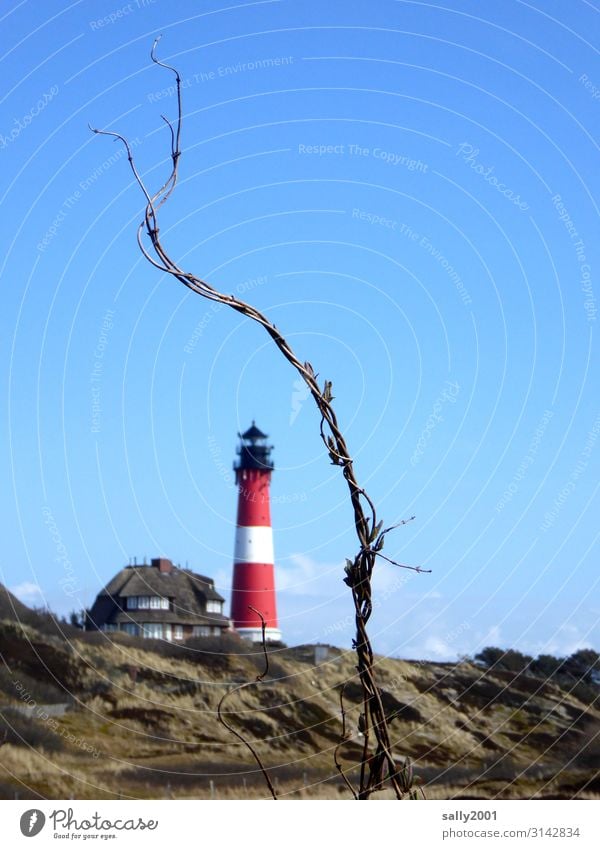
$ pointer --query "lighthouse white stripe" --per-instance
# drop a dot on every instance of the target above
(253, 545)
(255, 634)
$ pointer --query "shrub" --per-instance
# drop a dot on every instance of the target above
(583, 664)
(509, 660)
(547, 665)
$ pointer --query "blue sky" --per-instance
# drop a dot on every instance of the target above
(409, 191)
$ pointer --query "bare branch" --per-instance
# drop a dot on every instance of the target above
(118, 136)
(398, 525)
(343, 739)
(238, 689)
(263, 625)
(402, 565)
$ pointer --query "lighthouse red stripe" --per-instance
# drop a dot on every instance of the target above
(253, 585)
(253, 498)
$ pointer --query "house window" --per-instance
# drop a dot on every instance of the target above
(145, 602)
(110, 627)
(201, 631)
(154, 630)
(214, 606)
(130, 628)
(178, 632)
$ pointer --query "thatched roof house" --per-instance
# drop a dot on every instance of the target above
(160, 601)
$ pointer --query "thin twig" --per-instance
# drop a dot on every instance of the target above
(263, 626)
(402, 565)
(238, 689)
(343, 739)
(398, 525)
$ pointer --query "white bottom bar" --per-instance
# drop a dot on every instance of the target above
(498, 823)
(255, 634)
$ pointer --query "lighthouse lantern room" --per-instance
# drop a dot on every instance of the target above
(253, 570)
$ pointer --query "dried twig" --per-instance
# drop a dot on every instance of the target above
(263, 626)
(238, 689)
(368, 530)
(343, 738)
(402, 565)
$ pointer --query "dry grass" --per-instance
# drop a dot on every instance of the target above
(150, 719)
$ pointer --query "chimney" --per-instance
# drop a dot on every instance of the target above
(163, 565)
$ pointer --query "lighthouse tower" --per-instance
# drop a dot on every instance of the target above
(253, 571)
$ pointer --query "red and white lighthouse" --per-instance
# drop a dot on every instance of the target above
(253, 570)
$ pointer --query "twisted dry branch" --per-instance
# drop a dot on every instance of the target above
(369, 531)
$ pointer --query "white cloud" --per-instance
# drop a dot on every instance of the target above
(435, 648)
(565, 641)
(438, 648)
(314, 604)
(492, 638)
(28, 593)
(302, 575)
